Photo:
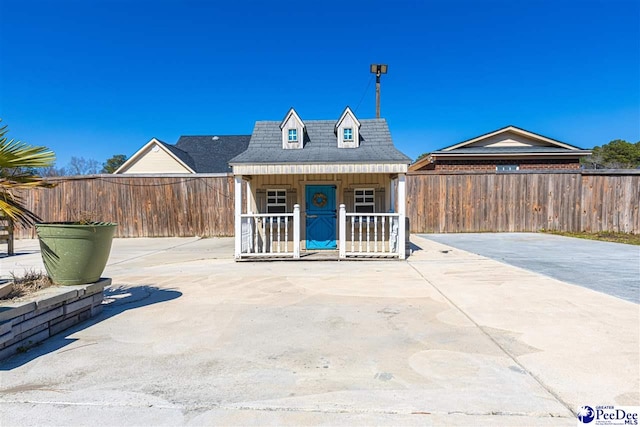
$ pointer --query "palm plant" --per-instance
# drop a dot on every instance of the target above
(18, 162)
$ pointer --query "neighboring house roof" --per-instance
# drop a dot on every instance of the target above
(507, 142)
(211, 154)
(511, 150)
(195, 154)
(516, 130)
(320, 145)
(179, 158)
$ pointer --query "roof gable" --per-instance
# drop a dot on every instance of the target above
(510, 136)
(181, 158)
(347, 113)
(293, 113)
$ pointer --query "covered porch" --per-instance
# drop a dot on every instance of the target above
(316, 211)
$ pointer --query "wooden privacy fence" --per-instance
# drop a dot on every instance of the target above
(476, 202)
(202, 205)
(143, 206)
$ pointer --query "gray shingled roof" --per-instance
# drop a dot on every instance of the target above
(511, 150)
(209, 155)
(321, 145)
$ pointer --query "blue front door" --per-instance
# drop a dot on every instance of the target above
(321, 216)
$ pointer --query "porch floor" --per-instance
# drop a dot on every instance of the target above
(319, 255)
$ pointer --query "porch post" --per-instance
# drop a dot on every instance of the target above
(392, 195)
(249, 197)
(237, 194)
(342, 230)
(296, 231)
(402, 210)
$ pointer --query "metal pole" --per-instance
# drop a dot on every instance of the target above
(378, 93)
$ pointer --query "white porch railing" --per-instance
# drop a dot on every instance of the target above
(265, 235)
(370, 234)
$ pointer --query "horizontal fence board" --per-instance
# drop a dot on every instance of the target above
(202, 205)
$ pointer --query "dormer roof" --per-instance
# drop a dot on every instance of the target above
(347, 112)
(292, 112)
(376, 147)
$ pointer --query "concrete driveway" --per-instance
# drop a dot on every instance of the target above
(190, 337)
(611, 268)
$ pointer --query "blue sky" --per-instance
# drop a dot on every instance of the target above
(93, 78)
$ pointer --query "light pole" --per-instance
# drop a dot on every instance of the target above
(378, 69)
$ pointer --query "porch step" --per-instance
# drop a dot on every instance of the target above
(320, 256)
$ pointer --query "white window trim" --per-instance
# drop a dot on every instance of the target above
(362, 192)
(344, 136)
(295, 135)
(274, 195)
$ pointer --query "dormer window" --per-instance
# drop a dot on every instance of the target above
(347, 130)
(293, 133)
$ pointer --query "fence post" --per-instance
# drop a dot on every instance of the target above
(296, 231)
(402, 210)
(237, 212)
(342, 230)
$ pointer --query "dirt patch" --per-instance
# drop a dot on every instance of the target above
(26, 285)
(606, 236)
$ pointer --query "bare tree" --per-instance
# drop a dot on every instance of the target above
(51, 171)
(82, 166)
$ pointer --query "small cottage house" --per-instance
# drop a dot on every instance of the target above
(305, 186)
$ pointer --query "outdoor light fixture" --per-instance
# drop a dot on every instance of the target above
(378, 69)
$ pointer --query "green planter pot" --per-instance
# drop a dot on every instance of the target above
(75, 254)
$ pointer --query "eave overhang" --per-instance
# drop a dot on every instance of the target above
(550, 155)
(317, 168)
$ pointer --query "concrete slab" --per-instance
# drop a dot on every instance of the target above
(611, 268)
(554, 330)
(190, 337)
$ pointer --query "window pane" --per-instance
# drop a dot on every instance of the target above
(276, 201)
(364, 200)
